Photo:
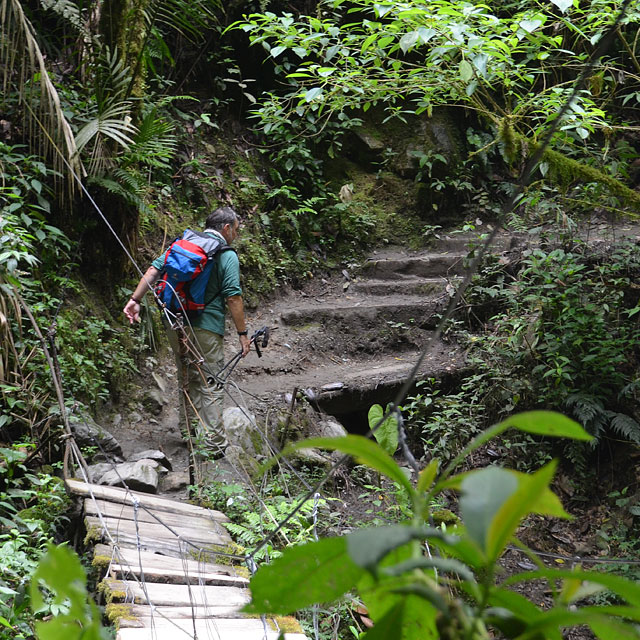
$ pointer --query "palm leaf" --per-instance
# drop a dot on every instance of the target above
(23, 70)
(190, 19)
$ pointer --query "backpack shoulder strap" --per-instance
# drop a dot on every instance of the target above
(221, 249)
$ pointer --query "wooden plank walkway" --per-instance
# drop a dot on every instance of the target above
(167, 575)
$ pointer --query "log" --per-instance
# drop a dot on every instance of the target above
(125, 496)
(204, 630)
(161, 568)
(201, 537)
(220, 601)
(125, 512)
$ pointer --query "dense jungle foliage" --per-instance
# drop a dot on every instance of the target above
(346, 123)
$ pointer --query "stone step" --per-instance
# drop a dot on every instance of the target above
(426, 265)
(408, 286)
(463, 242)
(418, 312)
(348, 384)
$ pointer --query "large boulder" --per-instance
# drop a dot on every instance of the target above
(89, 434)
(152, 454)
(241, 430)
(141, 475)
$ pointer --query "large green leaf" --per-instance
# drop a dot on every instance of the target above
(365, 451)
(410, 618)
(519, 504)
(483, 494)
(547, 504)
(547, 423)
(385, 430)
(605, 627)
(304, 575)
(367, 547)
(444, 565)
(428, 475)
(61, 571)
(627, 589)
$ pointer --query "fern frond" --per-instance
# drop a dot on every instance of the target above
(626, 426)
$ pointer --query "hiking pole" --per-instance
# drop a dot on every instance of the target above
(222, 376)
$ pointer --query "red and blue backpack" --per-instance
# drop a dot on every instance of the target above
(188, 263)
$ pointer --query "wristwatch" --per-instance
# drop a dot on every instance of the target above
(243, 333)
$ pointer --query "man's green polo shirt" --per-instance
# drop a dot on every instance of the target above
(224, 282)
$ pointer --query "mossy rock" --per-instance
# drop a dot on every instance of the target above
(116, 612)
(285, 624)
(400, 144)
(214, 555)
(101, 562)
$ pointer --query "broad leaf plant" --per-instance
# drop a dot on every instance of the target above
(419, 581)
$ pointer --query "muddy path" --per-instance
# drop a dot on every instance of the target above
(345, 341)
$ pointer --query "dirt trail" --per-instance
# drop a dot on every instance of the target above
(347, 341)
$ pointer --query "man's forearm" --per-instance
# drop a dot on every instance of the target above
(236, 308)
(146, 282)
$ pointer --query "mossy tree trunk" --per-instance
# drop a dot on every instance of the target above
(123, 25)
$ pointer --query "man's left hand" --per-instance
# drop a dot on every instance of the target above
(245, 344)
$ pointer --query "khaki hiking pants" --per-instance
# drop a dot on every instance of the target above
(204, 403)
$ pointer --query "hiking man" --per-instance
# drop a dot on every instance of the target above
(206, 331)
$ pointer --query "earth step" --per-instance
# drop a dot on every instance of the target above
(418, 311)
(408, 286)
(426, 265)
(462, 242)
(348, 384)
(157, 568)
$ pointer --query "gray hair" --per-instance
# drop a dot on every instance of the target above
(217, 219)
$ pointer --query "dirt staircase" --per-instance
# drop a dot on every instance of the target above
(352, 341)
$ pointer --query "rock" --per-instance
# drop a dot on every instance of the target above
(333, 386)
(153, 401)
(88, 433)
(152, 454)
(330, 428)
(311, 457)
(370, 141)
(175, 481)
(242, 461)
(241, 431)
(138, 476)
(96, 471)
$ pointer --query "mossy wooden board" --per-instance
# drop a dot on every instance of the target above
(218, 629)
(160, 568)
(148, 530)
(222, 601)
(125, 512)
(126, 496)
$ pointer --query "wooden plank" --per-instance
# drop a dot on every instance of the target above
(125, 496)
(159, 568)
(141, 616)
(138, 616)
(220, 600)
(175, 548)
(204, 630)
(176, 523)
(125, 512)
(214, 535)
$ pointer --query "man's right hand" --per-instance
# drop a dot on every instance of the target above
(132, 311)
